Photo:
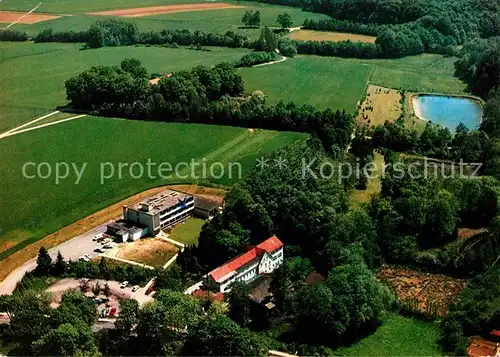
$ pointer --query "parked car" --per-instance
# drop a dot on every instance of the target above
(99, 250)
(82, 258)
(150, 290)
(108, 246)
(135, 288)
(88, 256)
(124, 285)
(107, 240)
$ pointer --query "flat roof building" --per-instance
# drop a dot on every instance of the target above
(161, 210)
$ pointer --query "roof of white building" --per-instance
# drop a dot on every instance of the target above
(160, 201)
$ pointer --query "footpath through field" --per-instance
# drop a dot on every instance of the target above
(19, 129)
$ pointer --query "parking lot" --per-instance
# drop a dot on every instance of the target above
(116, 292)
(71, 250)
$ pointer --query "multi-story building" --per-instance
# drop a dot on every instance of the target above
(259, 260)
(160, 211)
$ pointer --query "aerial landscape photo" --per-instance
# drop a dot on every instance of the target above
(250, 178)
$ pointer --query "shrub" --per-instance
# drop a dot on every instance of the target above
(287, 48)
(254, 58)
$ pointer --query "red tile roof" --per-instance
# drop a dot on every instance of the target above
(495, 333)
(271, 244)
(229, 269)
(481, 351)
(479, 347)
(208, 294)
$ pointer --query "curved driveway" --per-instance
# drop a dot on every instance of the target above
(71, 250)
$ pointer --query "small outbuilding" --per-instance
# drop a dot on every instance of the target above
(126, 231)
(205, 208)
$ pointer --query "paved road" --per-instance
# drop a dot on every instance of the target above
(71, 250)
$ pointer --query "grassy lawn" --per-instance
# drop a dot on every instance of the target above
(38, 207)
(33, 75)
(325, 82)
(188, 232)
(398, 336)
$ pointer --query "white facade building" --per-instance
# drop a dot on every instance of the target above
(262, 259)
(160, 211)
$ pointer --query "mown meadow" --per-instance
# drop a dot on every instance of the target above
(398, 336)
(37, 207)
(28, 92)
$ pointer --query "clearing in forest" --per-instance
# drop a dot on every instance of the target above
(424, 292)
(168, 9)
(310, 35)
(380, 105)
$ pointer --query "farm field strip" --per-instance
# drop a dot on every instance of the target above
(220, 21)
(13, 17)
(167, 9)
(70, 7)
(310, 35)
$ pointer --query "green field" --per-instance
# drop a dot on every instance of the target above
(218, 21)
(398, 336)
(187, 232)
(33, 75)
(340, 83)
(320, 81)
(423, 73)
(35, 207)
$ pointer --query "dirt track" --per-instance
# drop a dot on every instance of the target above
(169, 9)
(24, 18)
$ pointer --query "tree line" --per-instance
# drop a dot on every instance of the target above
(429, 35)
(82, 269)
(203, 95)
(407, 27)
(336, 25)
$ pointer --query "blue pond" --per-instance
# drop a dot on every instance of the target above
(449, 111)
